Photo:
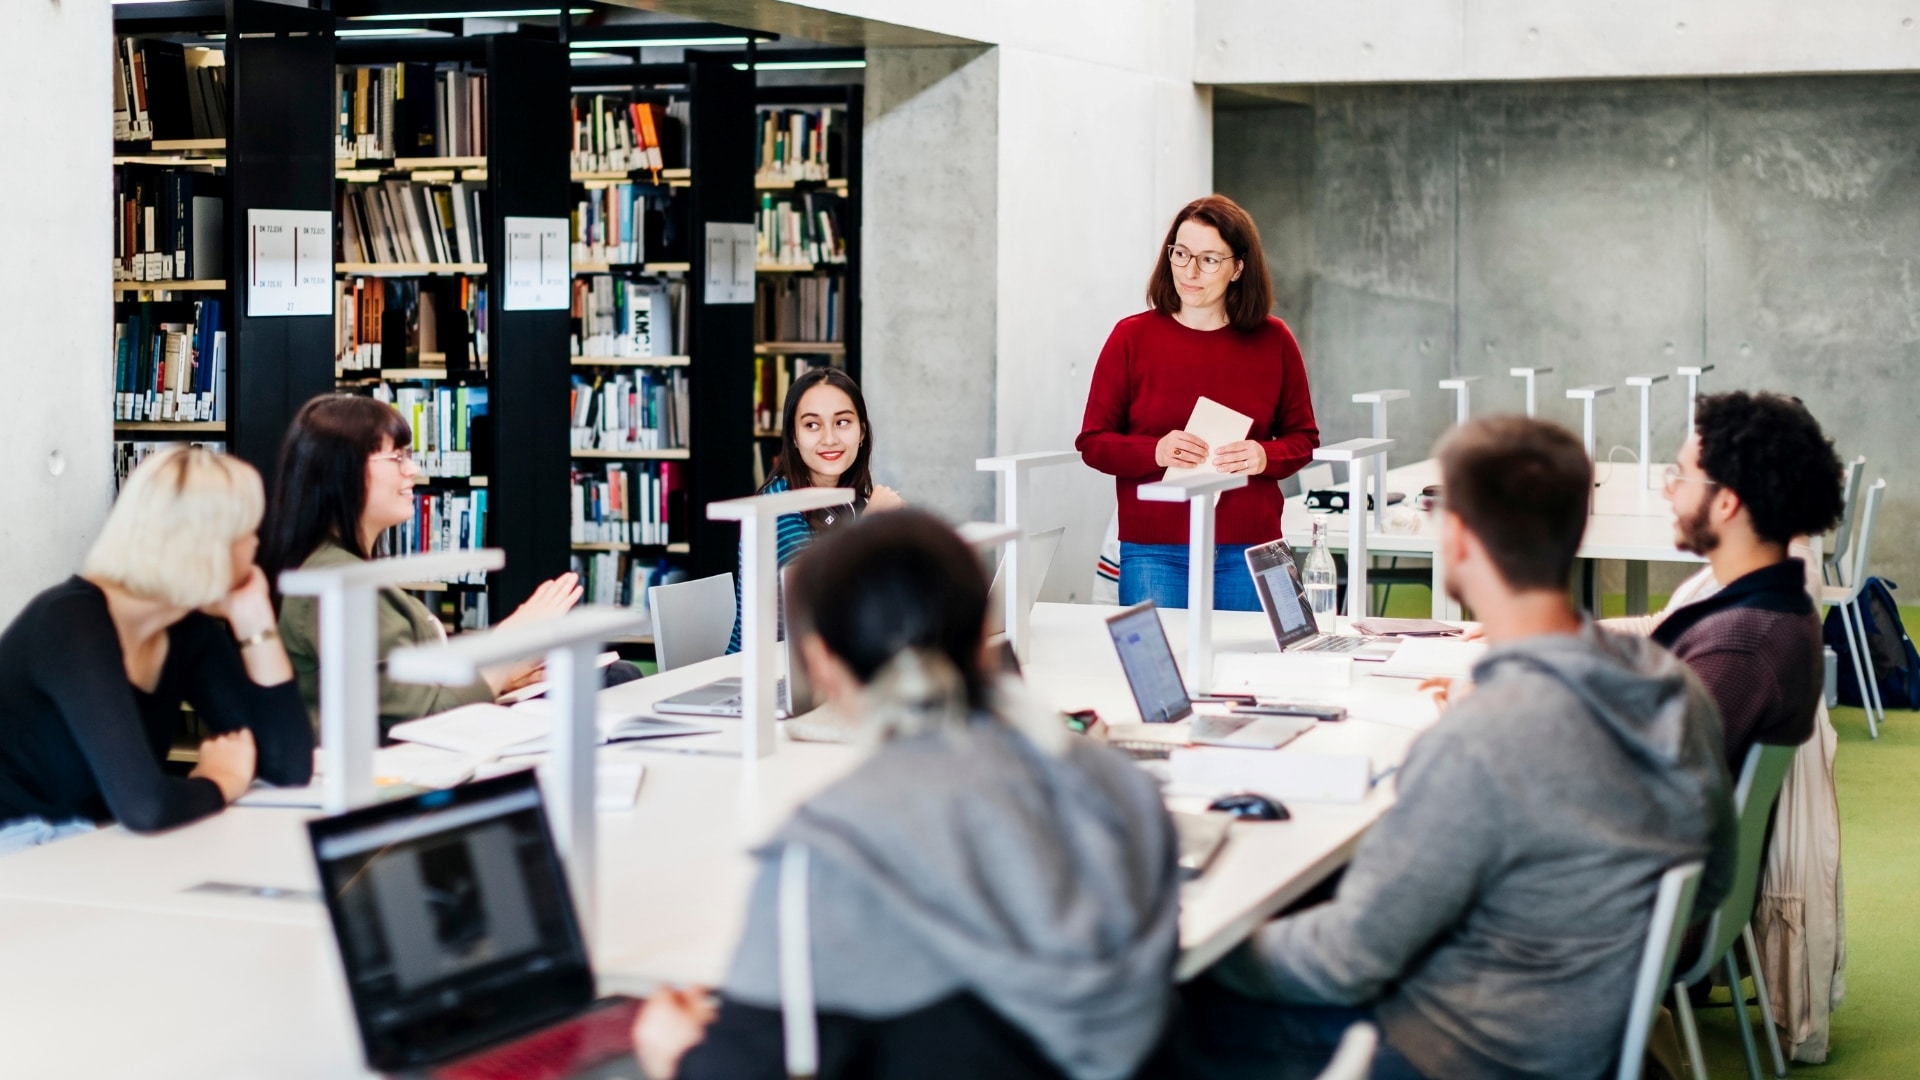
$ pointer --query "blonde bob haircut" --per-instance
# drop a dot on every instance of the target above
(170, 535)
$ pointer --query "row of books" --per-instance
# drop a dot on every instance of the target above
(615, 577)
(443, 521)
(620, 223)
(802, 144)
(409, 322)
(794, 307)
(617, 316)
(129, 453)
(446, 421)
(170, 362)
(800, 230)
(772, 376)
(399, 221)
(617, 133)
(165, 90)
(628, 503)
(410, 110)
(168, 223)
(643, 410)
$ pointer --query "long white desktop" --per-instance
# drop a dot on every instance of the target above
(116, 960)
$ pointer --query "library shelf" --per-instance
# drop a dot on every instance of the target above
(670, 177)
(835, 184)
(766, 433)
(170, 427)
(787, 268)
(423, 480)
(632, 361)
(769, 348)
(184, 285)
(680, 548)
(645, 268)
(408, 269)
(160, 146)
(675, 454)
(169, 159)
(407, 163)
(410, 374)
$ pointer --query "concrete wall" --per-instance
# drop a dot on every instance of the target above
(928, 303)
(56, 475)
(1764, 226)
(1309, 41)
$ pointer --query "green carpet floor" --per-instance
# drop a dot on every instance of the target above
(1874, 1034)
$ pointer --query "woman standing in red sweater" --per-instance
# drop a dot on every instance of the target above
(1206, 334)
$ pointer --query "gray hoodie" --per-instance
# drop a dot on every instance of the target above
(969, 860)
(1496, 914)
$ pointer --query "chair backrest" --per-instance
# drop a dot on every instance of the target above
(1672, 907)
(1863, 538)
(1353, 1059)
(1753, 797)
(1849, 506)
(1041, 548)
(1316, 477)
(692, 620)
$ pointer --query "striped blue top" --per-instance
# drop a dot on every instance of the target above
(791, 535)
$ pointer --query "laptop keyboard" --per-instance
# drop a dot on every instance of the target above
(1331, 643)
(599, 1035)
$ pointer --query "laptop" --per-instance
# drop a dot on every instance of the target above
(1147, 661)
(462, 951)
(1284, 598)
(792, 696)
(1041, 547)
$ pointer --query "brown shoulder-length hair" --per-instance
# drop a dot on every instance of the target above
(1250, 298)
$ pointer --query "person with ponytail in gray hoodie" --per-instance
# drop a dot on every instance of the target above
(987, 895)
(1491, 922)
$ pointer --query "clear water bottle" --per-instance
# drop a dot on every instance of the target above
(1320, 578)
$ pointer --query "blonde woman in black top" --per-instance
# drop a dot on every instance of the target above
(168, 608)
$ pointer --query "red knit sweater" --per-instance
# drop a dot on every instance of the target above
(1151, 372)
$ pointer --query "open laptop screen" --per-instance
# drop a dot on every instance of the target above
(1282, 596)
(1147, 660)
(453, 920)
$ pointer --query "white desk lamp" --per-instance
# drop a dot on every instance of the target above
(1016, 493)
(1586, 396)
(1462, 387)
(571, 644)
(1692, 374)
(1378, 399)
(1357, 453)
(1531, 374)
(1197, 490)
(759, 517)
(1646, 384)
(350, 658)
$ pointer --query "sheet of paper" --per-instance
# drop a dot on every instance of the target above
(1426, 658)
(290, 262)
(480, 730)
(1216, 425)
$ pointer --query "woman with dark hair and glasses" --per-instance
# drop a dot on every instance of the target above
(986, 895)
(825, 441)
(1206, 333)
(345, 477)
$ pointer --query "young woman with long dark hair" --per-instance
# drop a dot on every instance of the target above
(825, 441)
(346, 476)
(1206, 333)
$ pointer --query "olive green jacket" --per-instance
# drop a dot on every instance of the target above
(400, 620)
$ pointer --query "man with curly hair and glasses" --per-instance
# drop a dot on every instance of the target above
(1755, 473)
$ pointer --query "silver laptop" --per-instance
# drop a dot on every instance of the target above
(793, 696)
(1147, 661)
(1284, 598)
(1041, 547)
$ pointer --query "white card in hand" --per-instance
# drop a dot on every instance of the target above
(1216, 425)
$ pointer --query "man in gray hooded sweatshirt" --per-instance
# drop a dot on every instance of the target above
(1492, 921)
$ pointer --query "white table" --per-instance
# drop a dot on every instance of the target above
(1627, 523)
(110, 918)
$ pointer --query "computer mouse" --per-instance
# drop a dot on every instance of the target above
(1248, 806)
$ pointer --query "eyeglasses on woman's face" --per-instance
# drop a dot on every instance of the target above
(399, 459)
(1210, 262)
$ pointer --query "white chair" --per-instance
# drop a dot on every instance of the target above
(1672, 907)
(1353, 1059)
(1833, 564)
(692, 620)
(1847, 598)
(1753, 798)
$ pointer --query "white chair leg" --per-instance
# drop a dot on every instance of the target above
(1766, 1006)
(1689, 1034)
(1859, 672)
(1873, 684)
(1740, 1017)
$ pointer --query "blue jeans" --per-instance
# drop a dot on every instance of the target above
(1158, 572)
(22, 833)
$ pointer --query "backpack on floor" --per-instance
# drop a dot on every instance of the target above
(1891, 659)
